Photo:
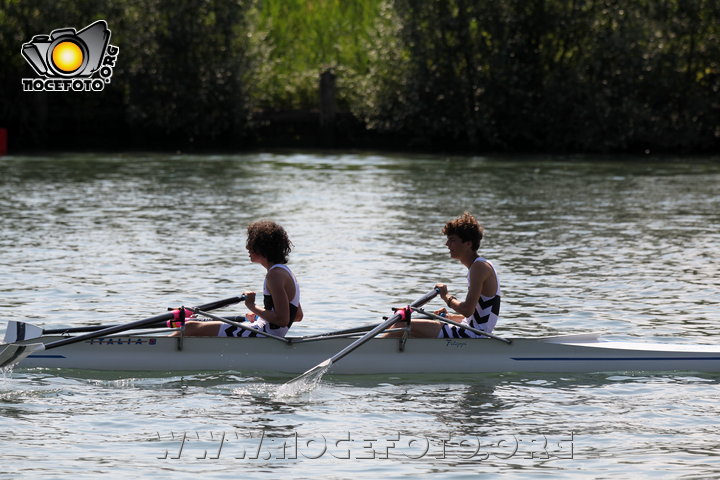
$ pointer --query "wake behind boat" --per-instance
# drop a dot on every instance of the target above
(564, 353)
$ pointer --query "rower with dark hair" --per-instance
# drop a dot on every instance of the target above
(267, 244)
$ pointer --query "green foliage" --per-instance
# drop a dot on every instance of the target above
(185, 64)
(293, 41)
(591, 75)
(532, 75)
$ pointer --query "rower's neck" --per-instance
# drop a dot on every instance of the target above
(469, 259)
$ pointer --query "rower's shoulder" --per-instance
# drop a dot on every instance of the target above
(482, 265)
(278, 272)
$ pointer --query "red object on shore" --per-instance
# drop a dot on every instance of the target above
(3, 141)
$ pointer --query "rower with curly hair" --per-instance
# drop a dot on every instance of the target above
(268, 245)
(481, 308)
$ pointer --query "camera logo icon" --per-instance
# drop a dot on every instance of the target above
(68, 59)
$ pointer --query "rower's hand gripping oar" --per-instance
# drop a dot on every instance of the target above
(372, 333)
(13, 353)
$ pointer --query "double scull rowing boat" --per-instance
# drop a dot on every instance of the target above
(111, 348)
(564, 353)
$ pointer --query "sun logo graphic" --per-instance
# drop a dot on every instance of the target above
(70, 60)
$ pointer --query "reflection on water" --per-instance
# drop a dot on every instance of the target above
(506, 422)
(627, 247)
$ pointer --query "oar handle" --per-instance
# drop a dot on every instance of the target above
(221, 303)
(139, 323)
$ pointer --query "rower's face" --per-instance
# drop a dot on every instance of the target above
(454, 245)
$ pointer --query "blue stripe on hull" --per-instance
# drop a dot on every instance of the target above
(585, 359)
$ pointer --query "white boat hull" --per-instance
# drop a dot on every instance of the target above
(570, 353)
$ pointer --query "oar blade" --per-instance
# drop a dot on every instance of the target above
(321, 367)
(19, 331)
(14, 353)
(319, 370)
(304, 382)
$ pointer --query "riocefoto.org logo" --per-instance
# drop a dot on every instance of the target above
(71, 61)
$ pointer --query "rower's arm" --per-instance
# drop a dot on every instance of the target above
(280, 316)
(479, 273)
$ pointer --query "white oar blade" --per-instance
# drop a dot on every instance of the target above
(14, 353)
(324, 366)
(18, 331)
(306, 381)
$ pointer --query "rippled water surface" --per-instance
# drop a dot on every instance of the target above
(627, 247)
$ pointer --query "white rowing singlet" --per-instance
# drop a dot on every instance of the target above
(485, 316)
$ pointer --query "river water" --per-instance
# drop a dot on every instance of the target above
(623, 246)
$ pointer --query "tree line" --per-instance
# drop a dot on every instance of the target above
(472, 75)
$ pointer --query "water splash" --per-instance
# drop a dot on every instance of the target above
(305, 383)
(6, 372)
(258, 391)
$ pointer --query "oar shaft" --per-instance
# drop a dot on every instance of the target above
(91, 328)
(372, 333)
(319, 338)
(347, 331)
(139, 323)
(240, 325)
(460, 325)
(323, 366)
(95, 328)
